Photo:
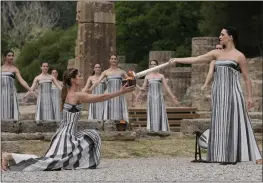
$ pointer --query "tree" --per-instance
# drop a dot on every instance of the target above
(55, 47)
(146, 26)
(26, 21)
(245, 16)
(67, 11)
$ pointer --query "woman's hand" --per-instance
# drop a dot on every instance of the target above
(175, 100)
(249, 103)
(126, 89)
(204, 87)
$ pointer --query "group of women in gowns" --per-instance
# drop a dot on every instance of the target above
(231, 138)
(108, 81)
(48, 95)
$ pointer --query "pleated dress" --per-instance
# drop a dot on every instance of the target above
(156, 110)
(9, 102)
(115, 108)
(231, 138)
(68, 149)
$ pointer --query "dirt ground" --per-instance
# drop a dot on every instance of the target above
(159, 147)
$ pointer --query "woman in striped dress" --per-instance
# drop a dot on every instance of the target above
(156, 110)
(95, 109)
(231, 137)
(116, 108)
(55, 92)
(9, 103)
(44, 109)
(68, 149)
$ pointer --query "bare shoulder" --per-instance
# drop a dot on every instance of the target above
(37, 78)
(216, 53)
(241, 57)
(16, 70)
(105, 72)
(73, 97)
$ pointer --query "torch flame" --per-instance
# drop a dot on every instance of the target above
(131, 75)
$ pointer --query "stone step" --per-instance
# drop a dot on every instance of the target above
(252, 115)
(46, 136)
(31, 126)
(84, 115)
(188, 126)
(105, 136)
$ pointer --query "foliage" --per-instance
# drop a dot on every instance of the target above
(22, 22)
(247, 17)
(149, 26)
(4, 45)
(56, 47)
(67, 11)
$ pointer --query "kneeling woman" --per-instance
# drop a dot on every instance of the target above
(68, 149)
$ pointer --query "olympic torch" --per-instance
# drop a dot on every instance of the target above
(133, 76)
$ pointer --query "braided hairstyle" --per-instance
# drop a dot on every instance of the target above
(67, 76)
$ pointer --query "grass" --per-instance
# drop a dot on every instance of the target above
(159, 147)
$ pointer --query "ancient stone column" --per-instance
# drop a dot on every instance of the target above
(96, 38)
(195, 97)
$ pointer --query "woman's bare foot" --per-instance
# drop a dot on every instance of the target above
(260, 161)
(4, 162)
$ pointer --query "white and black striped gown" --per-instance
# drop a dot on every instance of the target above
(231, 136)
(115, 108)
(9, 103)
(156, 109)
(96, 109)
(68, 149)
(56, 95)
(45, 109)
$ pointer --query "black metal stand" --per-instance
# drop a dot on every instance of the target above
(197, 149)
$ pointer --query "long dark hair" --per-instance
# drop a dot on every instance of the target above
(232, 31)
(67, 76)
